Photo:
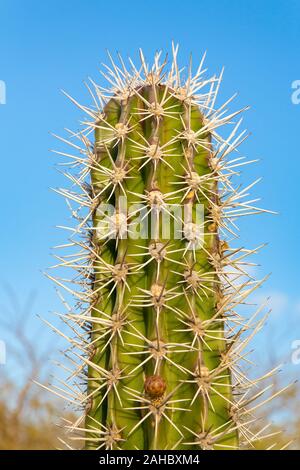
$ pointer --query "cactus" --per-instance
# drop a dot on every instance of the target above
(159, 342)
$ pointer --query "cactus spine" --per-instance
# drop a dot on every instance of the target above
(160, 338)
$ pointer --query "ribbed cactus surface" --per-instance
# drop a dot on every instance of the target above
(160, 340)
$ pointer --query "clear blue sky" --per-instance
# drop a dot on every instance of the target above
(46, 46)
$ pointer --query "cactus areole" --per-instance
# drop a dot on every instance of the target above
(158, 343)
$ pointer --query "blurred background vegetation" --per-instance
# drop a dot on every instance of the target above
(30, 417)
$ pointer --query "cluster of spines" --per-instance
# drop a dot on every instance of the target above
(158, 347)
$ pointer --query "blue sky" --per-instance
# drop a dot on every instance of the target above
(46, 46)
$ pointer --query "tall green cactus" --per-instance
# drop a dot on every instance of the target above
(160, 338)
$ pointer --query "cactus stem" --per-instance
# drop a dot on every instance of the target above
(158, 340)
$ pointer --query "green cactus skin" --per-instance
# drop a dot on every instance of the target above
(161, 341)
(186, 281)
